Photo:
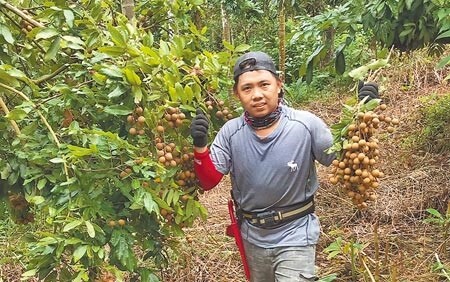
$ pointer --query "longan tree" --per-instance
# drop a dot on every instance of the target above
(94, 131)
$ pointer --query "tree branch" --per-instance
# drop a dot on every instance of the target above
(21, 14)
(44, 120)
(6, 110)
(52, 75)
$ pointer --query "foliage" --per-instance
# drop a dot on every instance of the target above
(351, 252)
(85, 93)
(341, 21)
(443, 269)
(406, 24)
(436, 118)
(442, 220)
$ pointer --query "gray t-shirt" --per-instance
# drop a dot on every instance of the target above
(276, 171)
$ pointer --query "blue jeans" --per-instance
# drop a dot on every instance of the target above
(283, 264)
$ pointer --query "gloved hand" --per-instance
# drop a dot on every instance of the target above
(369, 90)
(199, 129)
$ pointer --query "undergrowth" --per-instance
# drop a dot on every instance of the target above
(435, 134)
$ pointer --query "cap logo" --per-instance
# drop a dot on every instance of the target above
(247, 63)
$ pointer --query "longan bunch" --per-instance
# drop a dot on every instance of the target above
(167, 153)
(186, 177)
(174, 117)
(126, 172)
(136, 121)
(20, 209)
(357, 170)
(223, 112)
(25, 25)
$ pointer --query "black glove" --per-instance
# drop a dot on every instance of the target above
(199, 129)
(369, 90)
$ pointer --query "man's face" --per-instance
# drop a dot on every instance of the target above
(258, 92)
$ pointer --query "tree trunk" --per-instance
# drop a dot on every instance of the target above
(226, 29)
(128, 8)
(197, 19)
(329, 42)
(282, 43)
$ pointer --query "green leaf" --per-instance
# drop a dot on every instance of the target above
(242, 48)
(73, 39)
(442, 63)
(117, 36)
(36, 200)
(132, 77)
(16, 114)
(163, 48)
(79, 253)
(309, 73)
(119, 110)
(53, 49)
(71, 225)
(228, 46)
(6, 33)
(79, 152)
(173, 94)
(189, 94)
(443, 35)
(118, 91)
(153, 97)
(137, 93)
(113, 51)
(57, 160)
(41, 183)
(340, 63)
(47, 33)
(180, 92)
(90, 228)
(68, 14)
(149, 204)
(189, 207)
(435, 213)
(30, 273)
(112, 71)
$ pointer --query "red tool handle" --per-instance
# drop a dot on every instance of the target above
(233, 230)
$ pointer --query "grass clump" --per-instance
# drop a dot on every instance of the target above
(435, 135)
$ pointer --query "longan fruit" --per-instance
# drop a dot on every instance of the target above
(139, 110)
(160, 128)
(132, 131)
(141, 119)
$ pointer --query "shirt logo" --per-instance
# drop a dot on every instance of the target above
(292, 165)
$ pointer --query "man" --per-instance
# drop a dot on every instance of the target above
(270, 152)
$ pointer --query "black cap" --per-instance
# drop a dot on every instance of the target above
(253, 61)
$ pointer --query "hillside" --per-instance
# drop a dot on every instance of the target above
(405, 247)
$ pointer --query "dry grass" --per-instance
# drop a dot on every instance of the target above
(398, 239)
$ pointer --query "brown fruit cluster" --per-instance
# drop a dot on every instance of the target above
(174, 118)
(223, 112)
(20, 209)
(136, 121)
(357, 169)
(126, 172)
(170, 156)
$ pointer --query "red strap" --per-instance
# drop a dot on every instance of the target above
(206, 172)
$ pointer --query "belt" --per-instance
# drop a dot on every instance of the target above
(279, 216)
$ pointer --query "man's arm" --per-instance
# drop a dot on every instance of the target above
(206, 172)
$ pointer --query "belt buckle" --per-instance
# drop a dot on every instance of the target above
(268, 217)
